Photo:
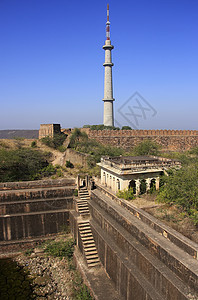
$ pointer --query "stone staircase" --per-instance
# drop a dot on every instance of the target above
(88, 243)
(89, 246)
(82, 204)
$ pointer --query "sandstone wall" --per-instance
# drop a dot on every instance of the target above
(34, 208)
(49, 130)
(142, 262)
(168, 139)
(76, 158)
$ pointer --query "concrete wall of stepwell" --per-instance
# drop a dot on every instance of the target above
(142, 263)
(34, 208)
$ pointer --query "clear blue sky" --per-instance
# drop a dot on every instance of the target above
(51, 60)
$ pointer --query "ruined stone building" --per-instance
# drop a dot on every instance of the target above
(123, 172)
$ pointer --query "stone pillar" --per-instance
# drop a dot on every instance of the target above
(157, 181)
(107, 182)
(148, 184)
(125, 184)
(114, 185)
(137, 183)
(78, 181)
(87, 181)
(103, 177)
(110, 181)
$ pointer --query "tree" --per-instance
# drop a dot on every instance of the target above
(181, 188)
(21, 164)
(55, 142)
(146, 148)
(126, 128)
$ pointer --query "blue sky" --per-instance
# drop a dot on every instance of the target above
(51, 60)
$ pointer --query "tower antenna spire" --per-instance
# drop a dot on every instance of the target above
(108, 24)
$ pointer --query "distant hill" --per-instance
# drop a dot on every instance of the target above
(27, 134)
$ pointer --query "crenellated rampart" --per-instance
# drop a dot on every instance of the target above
(169, 139)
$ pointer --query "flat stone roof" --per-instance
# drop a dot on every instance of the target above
(137, 164)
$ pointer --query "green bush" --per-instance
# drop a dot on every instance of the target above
(146, 148)
(77, 137)
(62, 148)
(193, 213)
(76, 193)
(21, 164)
(34, 144)
(59, 173)
(181, 188)
(80, 142)
(103, 127)
(60, 248)
(126, 194)
(48, 171)
(126, 128)
(194, 151)
(69, 164)
(55, 142)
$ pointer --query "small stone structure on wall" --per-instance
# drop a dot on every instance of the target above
(49, 130)
(119, 173)
(173, 140)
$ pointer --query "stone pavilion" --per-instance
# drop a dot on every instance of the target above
(141, 173)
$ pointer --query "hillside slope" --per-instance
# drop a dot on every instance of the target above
(27, 134)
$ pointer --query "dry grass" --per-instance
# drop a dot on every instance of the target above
(176, 218)
(171, 215)
(15, 143)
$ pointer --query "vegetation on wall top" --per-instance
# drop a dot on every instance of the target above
(56, 142)
(79, 141)
(101, 127)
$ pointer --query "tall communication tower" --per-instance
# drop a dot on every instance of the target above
(108, 86)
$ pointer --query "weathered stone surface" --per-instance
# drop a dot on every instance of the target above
(47, 183)
(142, 263)
(33, 209)
(169, 139)
(51, 277)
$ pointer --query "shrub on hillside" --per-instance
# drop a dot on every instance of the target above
(146, 148)
(77, 137)
(21, 164)
(48, 171)
(55, 142)
(69, 164)
(80, 142)
(181, 188)
(194, 151)
(34, 144)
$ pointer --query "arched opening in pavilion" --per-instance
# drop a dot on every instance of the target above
(132, 185)
(153, 185)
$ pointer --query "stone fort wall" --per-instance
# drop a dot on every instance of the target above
(169, 139)
(175, 140)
